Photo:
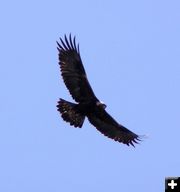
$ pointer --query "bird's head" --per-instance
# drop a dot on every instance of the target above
(101, 104)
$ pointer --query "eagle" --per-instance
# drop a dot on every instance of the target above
(87, 104)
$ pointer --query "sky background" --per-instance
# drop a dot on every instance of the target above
(131, 53)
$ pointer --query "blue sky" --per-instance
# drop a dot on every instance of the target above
(130, 50)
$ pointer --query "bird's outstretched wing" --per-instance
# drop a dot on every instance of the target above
(110, 128)
(72, 70)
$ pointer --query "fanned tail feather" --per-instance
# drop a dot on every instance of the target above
(69, 113)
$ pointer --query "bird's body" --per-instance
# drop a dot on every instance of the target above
(87, 105)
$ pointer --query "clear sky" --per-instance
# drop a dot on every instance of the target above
(131, 53)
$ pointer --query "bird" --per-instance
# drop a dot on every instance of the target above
(86, 105)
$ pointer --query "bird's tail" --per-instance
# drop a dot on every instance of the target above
(69, 114)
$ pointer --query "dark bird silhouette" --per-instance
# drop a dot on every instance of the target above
(88, 105)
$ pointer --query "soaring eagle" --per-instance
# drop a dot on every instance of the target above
(88, 105)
